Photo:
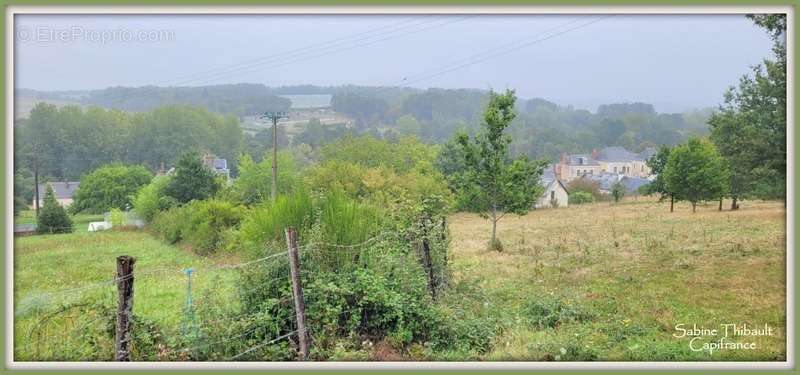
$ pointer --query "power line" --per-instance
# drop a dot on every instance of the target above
(478, 58)
(253, 67)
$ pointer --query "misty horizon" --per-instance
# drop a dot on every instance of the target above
(675, 62)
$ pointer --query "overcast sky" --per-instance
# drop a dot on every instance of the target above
(675, 62)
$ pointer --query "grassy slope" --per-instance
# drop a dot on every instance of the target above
(635, 269)
(48, 263)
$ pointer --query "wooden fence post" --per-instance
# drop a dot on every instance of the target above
(297, 291)
(428, 264)
(124, 335)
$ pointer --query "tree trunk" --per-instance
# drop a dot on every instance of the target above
(734, 203)
(720, 204)
(694, 207)
(671, 203)
(494, 229)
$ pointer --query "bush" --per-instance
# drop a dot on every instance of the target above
(362, 275)
(201, 224)
(208, 223)
(151, 199)
(590, 187)
(52, 217)
(110, 186)
(580, 197)
(169, 224)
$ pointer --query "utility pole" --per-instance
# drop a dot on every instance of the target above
(36, 180)
(275, 116)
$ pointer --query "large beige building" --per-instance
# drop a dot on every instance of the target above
(616, 160)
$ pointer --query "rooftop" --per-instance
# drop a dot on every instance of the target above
(62, 190)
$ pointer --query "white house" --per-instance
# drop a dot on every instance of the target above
(555, 193)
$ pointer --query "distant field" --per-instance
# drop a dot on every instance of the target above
(611, 282)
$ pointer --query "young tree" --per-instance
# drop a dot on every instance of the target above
(696, 172)
(493, 182)
(659, 186)
(617, 191)
(110, 186)
(52, 217)
(192, 180)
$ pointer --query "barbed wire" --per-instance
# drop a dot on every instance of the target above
(263, 344)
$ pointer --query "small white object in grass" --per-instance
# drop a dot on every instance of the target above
(96, 226)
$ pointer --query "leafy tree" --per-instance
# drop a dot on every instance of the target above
(493, 181)
(192, 180)
(110, 186)
(750, 127)
(52, 217)
(657, 163)
(696, 172)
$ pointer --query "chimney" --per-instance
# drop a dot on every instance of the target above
(595, 153)
(161, 169)
(563, 158)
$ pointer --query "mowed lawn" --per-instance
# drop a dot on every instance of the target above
(63, 288)
(611, 281)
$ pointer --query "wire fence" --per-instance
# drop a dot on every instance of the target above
(215, 336)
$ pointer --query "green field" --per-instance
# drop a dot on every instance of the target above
(53, 325)
(594, 282)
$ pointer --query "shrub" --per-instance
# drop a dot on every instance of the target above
(151, 199)
(617, 191)
(579, 184)
(52, 217)
(201, 224)
(168, 224)
(363, 277)
(208, 222)
(580, 197)
(110, 186)
(118, 218)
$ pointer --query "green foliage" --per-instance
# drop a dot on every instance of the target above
(749, 129)
(617, 191)
(203, 225)
(52, 217)
(152, 198)
(396, 175)
(192, 180)
(69, 141)
(108, 187)
(254, 182)
(544, 311)
(491, 180)
(117, 218)
(696, 172)
(657, 163)
(580, 197)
